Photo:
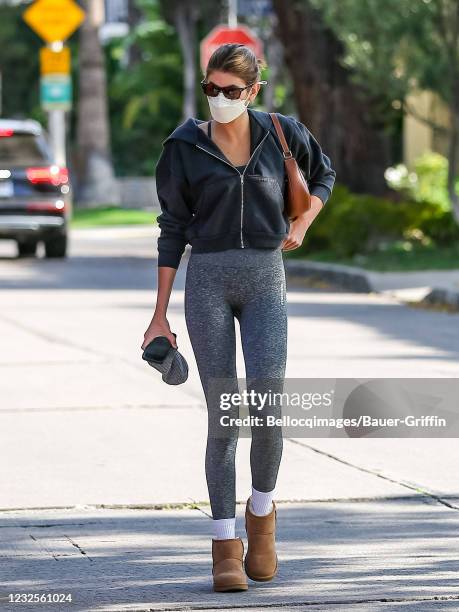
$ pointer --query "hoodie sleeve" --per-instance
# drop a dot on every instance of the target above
(174, 200)
(314, 162)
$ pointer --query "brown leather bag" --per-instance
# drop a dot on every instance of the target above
(298, 198)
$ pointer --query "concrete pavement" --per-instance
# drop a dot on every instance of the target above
(105, 492)
(363, 555)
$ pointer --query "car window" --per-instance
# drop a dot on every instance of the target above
(23, 150)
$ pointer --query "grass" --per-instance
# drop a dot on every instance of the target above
(110, 216)
(395, 258)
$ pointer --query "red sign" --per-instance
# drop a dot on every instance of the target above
(221, 35)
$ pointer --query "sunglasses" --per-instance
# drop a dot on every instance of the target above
(232, 92)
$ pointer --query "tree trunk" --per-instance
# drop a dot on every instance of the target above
(184, 18)
(274, 52)
(452, 153)
(336, 111)
(96, 183)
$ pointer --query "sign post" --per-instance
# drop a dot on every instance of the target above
(55, 21)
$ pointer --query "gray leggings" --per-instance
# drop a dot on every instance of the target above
(248, 284)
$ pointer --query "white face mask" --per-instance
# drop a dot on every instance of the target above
(224, 110)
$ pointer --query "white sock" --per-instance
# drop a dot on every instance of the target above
(260, 502)
(224, 529)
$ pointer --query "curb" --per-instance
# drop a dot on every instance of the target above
(347, 277)
(358, 280)
(442, 297)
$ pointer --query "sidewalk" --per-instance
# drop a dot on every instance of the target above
(381, 554)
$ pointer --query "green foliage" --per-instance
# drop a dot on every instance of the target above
(111, 215)
(401, 255)
(19, 65)
(352, 223)
(426, 183)
(427, 186)
(395, 46)
(145, 96)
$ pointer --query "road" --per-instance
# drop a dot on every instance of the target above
(85, 422)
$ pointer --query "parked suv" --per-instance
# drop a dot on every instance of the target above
(35, 194)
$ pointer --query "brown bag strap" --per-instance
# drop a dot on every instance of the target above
(298, 198)
(286, 151)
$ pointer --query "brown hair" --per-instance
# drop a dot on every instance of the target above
(237, 59)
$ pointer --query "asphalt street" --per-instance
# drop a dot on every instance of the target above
(103, 491)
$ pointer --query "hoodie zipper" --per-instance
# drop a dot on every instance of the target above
(240, 175)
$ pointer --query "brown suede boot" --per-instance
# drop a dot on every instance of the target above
(227, 570)
(261, 559)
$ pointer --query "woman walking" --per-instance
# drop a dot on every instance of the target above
(221, 186)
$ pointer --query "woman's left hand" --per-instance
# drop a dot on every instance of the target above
(300, 225)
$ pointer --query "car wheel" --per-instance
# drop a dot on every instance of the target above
(56, 247)
(27, 249)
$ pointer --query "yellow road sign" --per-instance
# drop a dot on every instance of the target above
(54, 62)
(54, 20)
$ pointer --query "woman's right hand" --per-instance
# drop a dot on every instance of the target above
(159, 326)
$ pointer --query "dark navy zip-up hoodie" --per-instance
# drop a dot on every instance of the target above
(209, 203)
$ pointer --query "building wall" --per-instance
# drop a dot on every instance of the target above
(138, 192)
(419, 137)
